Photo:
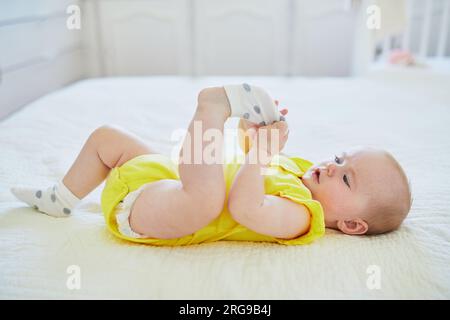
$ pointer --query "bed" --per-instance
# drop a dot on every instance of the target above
(405, 111)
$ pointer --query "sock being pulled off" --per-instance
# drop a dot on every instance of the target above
(56, 201)
(252, 103)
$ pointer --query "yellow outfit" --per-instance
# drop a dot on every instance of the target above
(284, 182)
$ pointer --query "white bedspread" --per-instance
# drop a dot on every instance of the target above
(408, 113)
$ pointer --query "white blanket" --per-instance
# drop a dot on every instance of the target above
(408, 113)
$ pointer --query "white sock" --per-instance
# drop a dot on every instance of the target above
(252, 103)
(56, 201)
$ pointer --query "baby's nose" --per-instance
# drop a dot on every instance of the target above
(331, 168)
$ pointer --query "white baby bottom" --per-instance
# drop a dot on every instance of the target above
(123, 211)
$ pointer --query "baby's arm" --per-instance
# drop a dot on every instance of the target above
(266, 214)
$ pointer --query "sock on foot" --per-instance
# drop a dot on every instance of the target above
(252, 103)
(56, 201)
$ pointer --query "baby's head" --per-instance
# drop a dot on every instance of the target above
(362, 191)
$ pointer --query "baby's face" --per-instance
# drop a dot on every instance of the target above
(343, 183)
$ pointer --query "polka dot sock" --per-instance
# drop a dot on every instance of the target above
(252, 103)
(56, 201)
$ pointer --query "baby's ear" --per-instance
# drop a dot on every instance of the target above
(353, 227)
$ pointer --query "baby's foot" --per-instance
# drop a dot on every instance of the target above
(215, 98)
(56, 201)
(252, 103)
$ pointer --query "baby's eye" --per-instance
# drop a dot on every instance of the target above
(337, 159)
(346, 180)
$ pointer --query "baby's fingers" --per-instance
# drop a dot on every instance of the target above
(281, 125)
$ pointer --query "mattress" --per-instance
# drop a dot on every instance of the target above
(405, 112)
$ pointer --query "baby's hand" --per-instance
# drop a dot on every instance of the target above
(271, 138)
(245, 141)
(245, 124)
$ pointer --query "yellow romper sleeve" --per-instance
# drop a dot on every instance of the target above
(291, 187)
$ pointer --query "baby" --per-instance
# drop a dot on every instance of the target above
(148, 198)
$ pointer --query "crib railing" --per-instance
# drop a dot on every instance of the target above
(426, 34)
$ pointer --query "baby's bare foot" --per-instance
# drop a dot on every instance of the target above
(215, 98)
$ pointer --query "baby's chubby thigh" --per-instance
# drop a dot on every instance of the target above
(164, 210)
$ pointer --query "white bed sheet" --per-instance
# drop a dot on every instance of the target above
(408, 113)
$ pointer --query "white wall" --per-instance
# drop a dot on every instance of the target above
(37, 52)
(216, 37)
(323, 38)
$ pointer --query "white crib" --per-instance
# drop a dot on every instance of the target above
(425, 35)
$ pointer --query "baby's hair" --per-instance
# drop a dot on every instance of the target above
(387, 212)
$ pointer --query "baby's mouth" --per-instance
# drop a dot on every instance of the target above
(316, 175)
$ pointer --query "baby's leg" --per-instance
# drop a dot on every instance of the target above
(170, 208)
(106, 148)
